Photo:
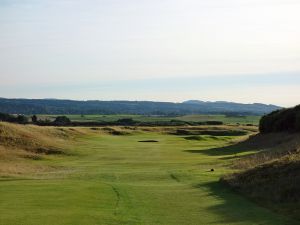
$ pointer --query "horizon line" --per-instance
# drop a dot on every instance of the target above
(128, 100)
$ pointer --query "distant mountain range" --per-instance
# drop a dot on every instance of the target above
(56, 106)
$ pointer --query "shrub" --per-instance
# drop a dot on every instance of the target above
(281, 120)
(34, 118)
(62, 121)
(22, 119)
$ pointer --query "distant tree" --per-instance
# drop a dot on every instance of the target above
(7, 117)
(34, 119)
(22, 119)
(62, 120)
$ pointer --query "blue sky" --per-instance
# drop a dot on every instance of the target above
(167, 50)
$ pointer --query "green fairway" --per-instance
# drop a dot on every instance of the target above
(117, 180)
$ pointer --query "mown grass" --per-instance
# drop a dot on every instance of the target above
(116, 179)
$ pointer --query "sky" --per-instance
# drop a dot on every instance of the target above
(164, 50)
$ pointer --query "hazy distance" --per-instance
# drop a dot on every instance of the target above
(244, 51)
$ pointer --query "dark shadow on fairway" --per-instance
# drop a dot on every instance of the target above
(235, 208)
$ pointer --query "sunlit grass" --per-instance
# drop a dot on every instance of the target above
(115, 179)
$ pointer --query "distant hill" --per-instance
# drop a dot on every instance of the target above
(223, 106)
(55, 106)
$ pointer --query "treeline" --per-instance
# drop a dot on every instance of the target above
(281, 120)
(65, 121)
(69, 107)
(21, 119)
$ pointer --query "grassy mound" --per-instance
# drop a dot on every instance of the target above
(33, 138)
(20, 143)
(116, 131)
(271, 177)
(205, 138)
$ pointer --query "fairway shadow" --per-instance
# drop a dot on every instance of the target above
(234, 208)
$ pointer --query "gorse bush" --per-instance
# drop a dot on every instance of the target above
(281, 120)
(62, 120)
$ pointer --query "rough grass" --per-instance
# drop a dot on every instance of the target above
(271, 176)
(268, 147)
(22, 144)
(31, 138)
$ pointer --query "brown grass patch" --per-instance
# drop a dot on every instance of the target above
(22, 144)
